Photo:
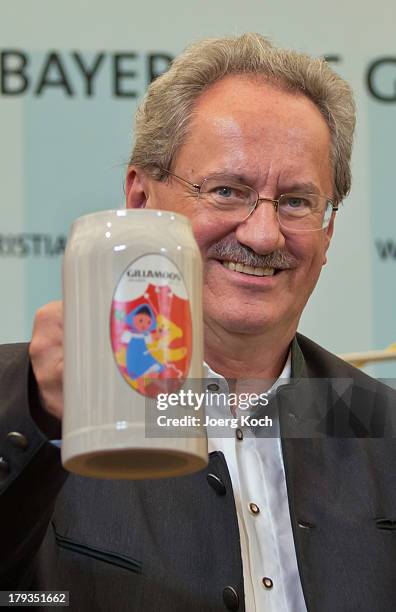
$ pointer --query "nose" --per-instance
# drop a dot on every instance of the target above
(261, 231)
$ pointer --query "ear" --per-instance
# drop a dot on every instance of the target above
(136, 192)
(327, 237)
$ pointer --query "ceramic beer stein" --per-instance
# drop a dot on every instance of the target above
(132, 283)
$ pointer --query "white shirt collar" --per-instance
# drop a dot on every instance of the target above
(283, 379)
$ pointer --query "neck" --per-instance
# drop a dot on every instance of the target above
(249, 356)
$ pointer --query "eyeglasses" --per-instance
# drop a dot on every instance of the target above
(300, 212)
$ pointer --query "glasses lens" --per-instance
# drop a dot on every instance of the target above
(228, 196)
(304, 211)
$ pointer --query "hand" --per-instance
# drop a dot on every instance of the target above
(46, 354)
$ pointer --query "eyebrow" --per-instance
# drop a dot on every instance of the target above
(303, 187)
(240, 178)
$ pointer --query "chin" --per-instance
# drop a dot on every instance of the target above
(244, 325)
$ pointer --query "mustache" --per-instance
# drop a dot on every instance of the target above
(231, 250)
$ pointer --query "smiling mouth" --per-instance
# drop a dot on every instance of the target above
(238, 267)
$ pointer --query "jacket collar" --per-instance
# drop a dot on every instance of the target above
(298, 365)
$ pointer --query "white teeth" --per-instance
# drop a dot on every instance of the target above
(237, 267)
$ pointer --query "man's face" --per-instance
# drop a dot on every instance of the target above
(275, 142)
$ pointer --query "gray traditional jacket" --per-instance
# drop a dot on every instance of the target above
(172, 545)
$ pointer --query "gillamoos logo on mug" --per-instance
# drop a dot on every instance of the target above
(150, 327)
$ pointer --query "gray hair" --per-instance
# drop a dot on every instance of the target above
(163, 118)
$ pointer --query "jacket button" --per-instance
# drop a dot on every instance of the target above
(239, 434)
(267, 582)
(213, 387)
(305, 525)
(4, 467)
(17, 439)
(230, 598)
(217, 484)
(254, 509)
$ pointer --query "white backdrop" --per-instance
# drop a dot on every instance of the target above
(64, 140)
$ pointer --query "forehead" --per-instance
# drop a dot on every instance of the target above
(247, 124)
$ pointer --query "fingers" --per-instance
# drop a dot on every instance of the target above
(46, 354)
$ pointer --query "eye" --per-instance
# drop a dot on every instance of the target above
(224, 191)
(296, 202)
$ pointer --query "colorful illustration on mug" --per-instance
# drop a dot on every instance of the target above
(151, 334)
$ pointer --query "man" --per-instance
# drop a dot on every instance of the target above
(253, 144)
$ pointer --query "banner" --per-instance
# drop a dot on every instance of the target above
(69, 88)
